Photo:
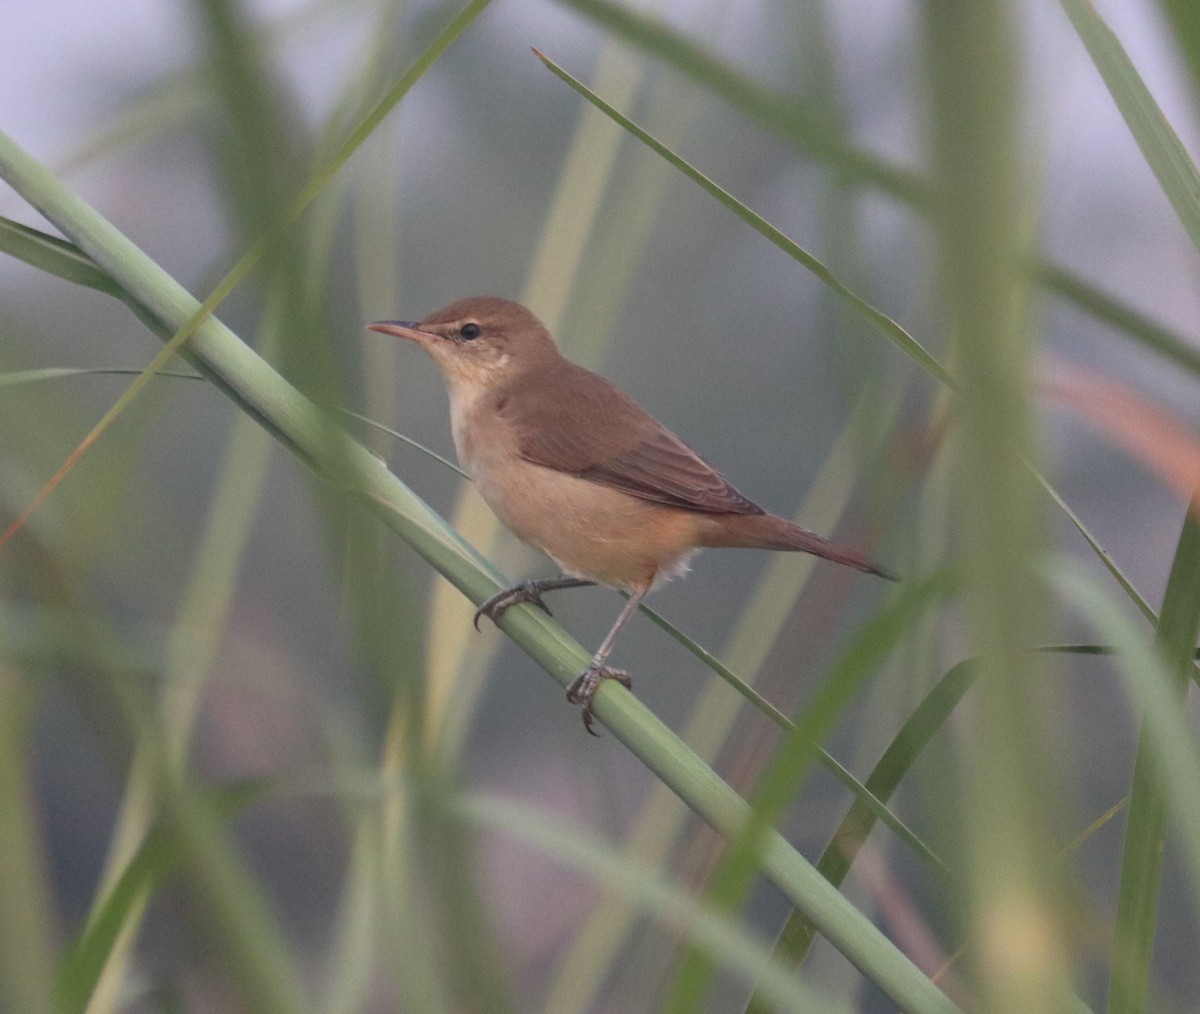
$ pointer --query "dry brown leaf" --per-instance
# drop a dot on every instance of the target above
(1152, 435)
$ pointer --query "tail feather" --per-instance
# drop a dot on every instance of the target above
(766, 531)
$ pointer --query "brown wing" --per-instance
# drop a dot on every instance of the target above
(574, 421)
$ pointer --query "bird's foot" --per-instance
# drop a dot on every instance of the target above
(503, 601)
(587, 682)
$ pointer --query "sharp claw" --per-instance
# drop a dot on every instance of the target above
(500, 603)
(583, 690)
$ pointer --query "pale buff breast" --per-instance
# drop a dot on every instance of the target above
(589, 530)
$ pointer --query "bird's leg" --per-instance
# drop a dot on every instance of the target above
(583, 689)
(526, 591)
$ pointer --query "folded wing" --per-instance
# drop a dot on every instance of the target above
(630, 451)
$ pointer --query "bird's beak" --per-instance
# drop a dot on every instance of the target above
(401, 329)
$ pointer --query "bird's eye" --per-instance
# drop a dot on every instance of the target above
(469, 332)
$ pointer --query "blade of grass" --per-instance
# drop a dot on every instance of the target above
(973, 54)
(1160, 145)
(883, 323)
(158, 856)
(60, 372)
(1102, 306)
(781, 113)
(789, 767)
(240, 923)
(1110, 564)
(26, 957)
(930, 715)
(415, 444)
(239, 919)
(1186, 28)
(191, 649)
(865, 796)
(54, 256)
(120, 906)
(252, 942)
(96, 979)
(1141, 861)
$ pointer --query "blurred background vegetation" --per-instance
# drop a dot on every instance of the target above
(252, 754)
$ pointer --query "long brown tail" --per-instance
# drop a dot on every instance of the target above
(766, 531)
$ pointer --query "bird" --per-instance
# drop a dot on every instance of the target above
(576, 468)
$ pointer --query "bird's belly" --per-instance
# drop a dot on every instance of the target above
(588, 529)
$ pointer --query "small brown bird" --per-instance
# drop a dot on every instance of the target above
(576, 468)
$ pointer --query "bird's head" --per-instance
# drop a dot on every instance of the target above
(481, 340)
